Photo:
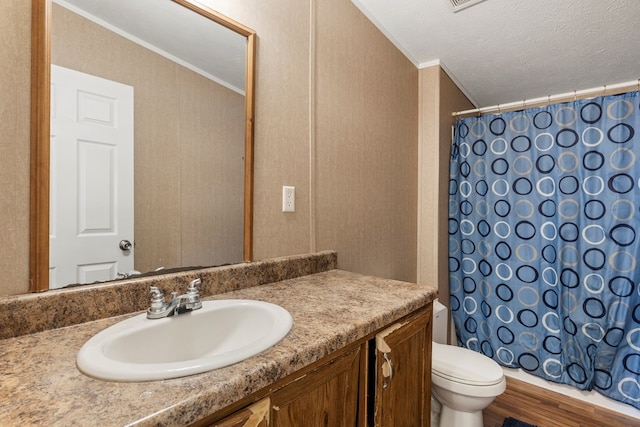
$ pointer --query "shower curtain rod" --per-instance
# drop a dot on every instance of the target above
(552, 99)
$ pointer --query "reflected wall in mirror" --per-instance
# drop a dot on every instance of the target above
(190, 181)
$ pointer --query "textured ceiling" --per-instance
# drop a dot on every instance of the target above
(501, 51)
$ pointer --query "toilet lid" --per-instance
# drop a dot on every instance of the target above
(464, 366)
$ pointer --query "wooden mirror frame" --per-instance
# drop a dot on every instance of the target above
(40, 134)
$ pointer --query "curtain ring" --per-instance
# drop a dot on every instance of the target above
(499, 110)
(548, 100)
(575, 96)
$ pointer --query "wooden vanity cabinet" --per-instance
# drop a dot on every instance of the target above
(327, 396)
(381, 381)
(255, 415)
(403, 373)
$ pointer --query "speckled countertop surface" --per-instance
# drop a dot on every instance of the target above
(40, 384)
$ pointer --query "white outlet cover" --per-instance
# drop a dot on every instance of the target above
(288, 199)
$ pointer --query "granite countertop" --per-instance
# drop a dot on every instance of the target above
(40, 384)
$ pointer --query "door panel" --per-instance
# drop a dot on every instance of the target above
(91, 178)
(403, 374)
(256, 415)
(327, 396)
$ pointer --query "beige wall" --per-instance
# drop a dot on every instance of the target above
(15, 18)
(336, 116)
(439, 97)
(189, 147)
(366, 145)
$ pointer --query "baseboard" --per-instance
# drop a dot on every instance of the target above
(541, 407)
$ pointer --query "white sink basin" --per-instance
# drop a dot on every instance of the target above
(219, 334)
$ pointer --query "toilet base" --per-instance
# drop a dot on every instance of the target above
(436, 408)
(452, 418)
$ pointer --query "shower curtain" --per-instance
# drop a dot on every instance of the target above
(544, 241)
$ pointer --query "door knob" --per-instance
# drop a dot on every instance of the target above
(125, 245)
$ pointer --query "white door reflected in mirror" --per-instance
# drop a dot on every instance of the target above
(91, 175)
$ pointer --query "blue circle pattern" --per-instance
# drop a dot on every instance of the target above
(544, 214)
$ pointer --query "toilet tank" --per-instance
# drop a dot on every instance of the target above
(440, 317)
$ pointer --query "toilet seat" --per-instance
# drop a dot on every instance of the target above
(492, 390)
(464, 366)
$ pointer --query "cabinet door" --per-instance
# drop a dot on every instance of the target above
(256, 415)
(327, 396)
(403, 373)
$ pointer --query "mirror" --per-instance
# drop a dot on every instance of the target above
(180, 177)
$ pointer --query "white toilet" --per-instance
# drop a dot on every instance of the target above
(463, 382)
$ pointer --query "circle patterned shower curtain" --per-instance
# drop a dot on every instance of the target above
(544, 241)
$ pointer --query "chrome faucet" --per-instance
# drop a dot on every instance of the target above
(179, 303)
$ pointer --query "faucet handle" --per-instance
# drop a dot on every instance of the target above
(192, 286)
(193, 295)
(156, 294)
(157, 300)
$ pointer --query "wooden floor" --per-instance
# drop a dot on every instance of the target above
(544, 408)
